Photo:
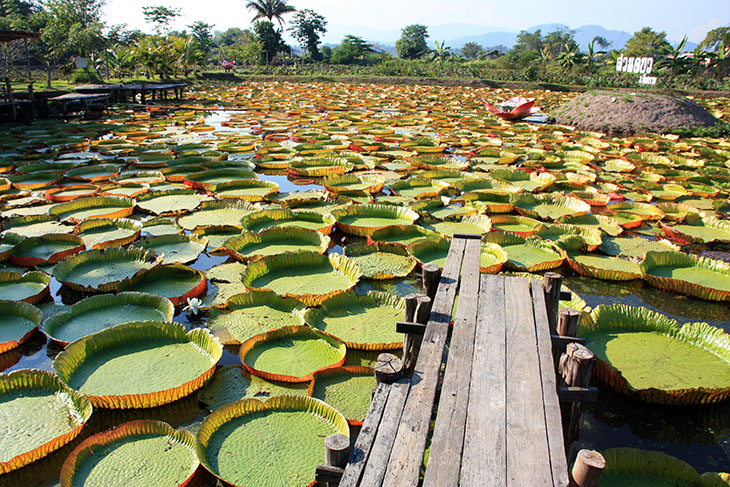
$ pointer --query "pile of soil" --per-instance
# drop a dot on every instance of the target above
(630, 113)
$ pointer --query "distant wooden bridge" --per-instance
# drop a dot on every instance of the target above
(479, 403)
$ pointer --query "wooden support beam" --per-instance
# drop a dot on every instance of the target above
(560, 342)
(566, 295)
(328, 475)
(410, 327)
(552, 282)
(577, 394)
(587, 469)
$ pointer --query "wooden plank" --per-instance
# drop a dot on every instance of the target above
(444, 460)
(558, 462)
(377, 462)
(365, 439)
(408, 450)
(528, 456)
(484, 460)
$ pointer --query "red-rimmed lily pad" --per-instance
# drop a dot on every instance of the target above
(474, 224)
(72, 192)
(121, 457)
(237, 442)
(363, 220)
(402, 235)
(519, 225)
(97, 313)
(45, 250)
(548, 206)
(306, 276)
(596, 265)
(699, 229)
(682, 273)
(175, 248)
(529, 254)
(30, 287)
(252, 313)
(264, 219)
(82, 209)
(139, 364)
(291, 353)
(40, 415)
(430, 249)
(100, 233)
(247, 189)
(176, 282)
(381, 260)
(275, 240)
(491, 258)
(18, 322)
(347, 389)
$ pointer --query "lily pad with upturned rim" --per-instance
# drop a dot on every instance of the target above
(699, 229)
(140, 364)
(213, 213)
(249, 190)
(363, 220)
(347, 389)
(237, 442)
(18, 322)
(176, 282)
(682, 273)
(491, 258)
(306, 276)
(362, 322)
(430, 249)
(261, 220)
(100, 233)
(519, 225)
(121, 457)
(548, 206)
(48, 249)
(631, 466)
(175, 248)
(97, 313)
(249, 314)
(646, 355)
(291, 353)
(381, 260)
(82, 209)
(170, 202)
(104, 270)
(40, 415)
(30, 287)
(529, 254)
(474, 224)
(402, 235)
(274, 241)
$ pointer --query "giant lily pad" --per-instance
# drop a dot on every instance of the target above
(276, 240)
(363, 220)
(215, 213)
(252, 313)
(677, 272)
(491, 258)
(519, 225)
(430, 249)
(255, 222)
(320, 166)
(598, 266)
(418, 188)
(35, 226)
(403, 235)
(699, 229)
(170, 202)
(237, 442)
(634, 247)
(362, 322)
(232, 383)
(100, 233)
(249, 190)
(39, 415)
(30, 287)
(98, 313)
(531, 254)
(291, 353)
(556, 232)
(630, 466)
(549, 207)
(381, 260)
(474, 224)
(306, 276)
(121, 457)
(82, 209)
(347, 389)
(104, 270)
(647, 355)
(176, 282)
(18, 322)
(604, 223)
(139, 364)
(175, 248)
(45, 250)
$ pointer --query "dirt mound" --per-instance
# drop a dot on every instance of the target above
(624, 113)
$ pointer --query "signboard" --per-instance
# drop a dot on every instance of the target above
(637, 65)
(82, 62)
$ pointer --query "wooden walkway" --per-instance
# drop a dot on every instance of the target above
(489, 381)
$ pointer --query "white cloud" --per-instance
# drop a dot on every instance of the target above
(699, 33)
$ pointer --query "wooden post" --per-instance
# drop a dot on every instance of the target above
(336, 455)
(408, 338)
(388, 369)
(431, 276)
(568, 322)
(411, 305)
(587, 469)
(575, 370)
(423, 311)
(553, 282)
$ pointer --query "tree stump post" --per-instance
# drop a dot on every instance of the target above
(423, 311)
(553, 281)
(567, 327)
(575, 370)
(431, 274)
(587, 469)
(408, 338)
(388, 369)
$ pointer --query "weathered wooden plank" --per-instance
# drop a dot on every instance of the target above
(448, 435)
(484, 459)
(375, 468)
(558, 462)
(528, 456)
(361, 451)
(408, 450)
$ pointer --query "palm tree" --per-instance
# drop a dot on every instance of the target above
(271, 9)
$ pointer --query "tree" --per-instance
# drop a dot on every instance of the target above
(412, 42)
(559, 41)
(472, 50)
(203, 34)
(270, 9)
(270, 39)
(307, 27)
(350, 50)
(527, 42)
(441, 52)
(715, 38)
(160, 16)
(593, 55)
(246, 50)
(646, 43)
(569, 56)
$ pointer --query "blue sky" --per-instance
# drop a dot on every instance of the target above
(677, 18)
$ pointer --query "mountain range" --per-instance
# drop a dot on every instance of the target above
(456, 35)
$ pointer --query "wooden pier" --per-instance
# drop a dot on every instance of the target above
(481, 407)
(121, 93)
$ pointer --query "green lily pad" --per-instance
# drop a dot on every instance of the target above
(549, 207)
(686, 274)
(634, 247)
(363, 220)
(475, 224)
(170, 202)
(381, 260)
(48, 249)
(98, 313)
(700, 229)
(274, 241)
(632, 467)
(122, 456)
(430, 249)
(139, 364)
(403, 235)
(237, 442)
(232, 383)
(18, 321)
(161, 226)
(519, 225)
(30, 287)
(35, 226)
(176, 282)
(347, 389)
(100, 233)
(175, 248)
(529, 254)
(250, 314)
(291, 353)
(604, 223)
(82, 209)
(261, 220)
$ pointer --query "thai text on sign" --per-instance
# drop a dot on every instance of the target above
(638, 65)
